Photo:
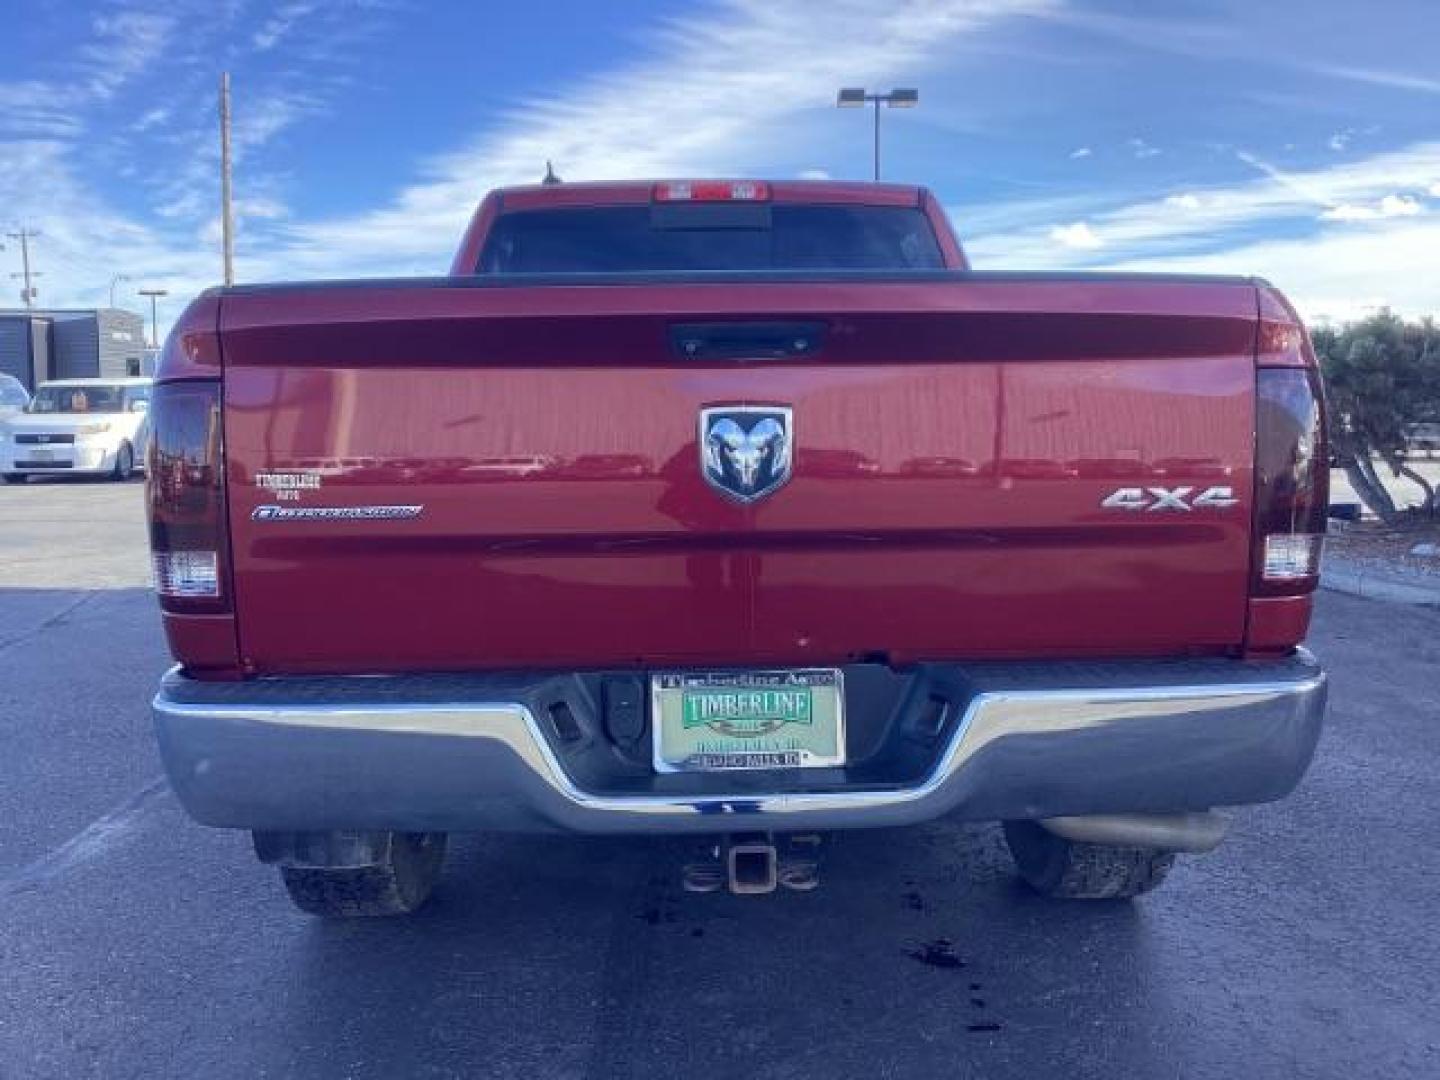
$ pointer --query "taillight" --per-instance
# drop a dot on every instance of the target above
(184, 482)
(712, 191)
(1292, 481)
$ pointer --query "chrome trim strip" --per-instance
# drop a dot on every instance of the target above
(990, 717)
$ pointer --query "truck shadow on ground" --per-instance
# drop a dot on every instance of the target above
(585, 957)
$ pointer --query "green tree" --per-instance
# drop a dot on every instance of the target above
(1382, 375)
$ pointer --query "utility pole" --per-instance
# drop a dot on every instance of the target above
(25, 236)
(227, 221)
(154, 295)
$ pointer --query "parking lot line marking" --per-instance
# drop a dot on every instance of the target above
(48, 621)
(106, 832)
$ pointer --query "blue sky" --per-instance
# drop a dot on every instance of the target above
(1298, 139)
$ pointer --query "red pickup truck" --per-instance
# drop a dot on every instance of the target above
(742, 510)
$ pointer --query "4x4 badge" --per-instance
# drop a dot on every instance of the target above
(746, 450)
(1180, 498)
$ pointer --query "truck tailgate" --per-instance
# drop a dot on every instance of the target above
(953, 443)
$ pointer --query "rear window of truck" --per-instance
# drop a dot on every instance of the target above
(708, 237)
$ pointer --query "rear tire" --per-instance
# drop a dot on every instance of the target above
(1066, 869)
(124, 463)
(15, 478)
(396, 885)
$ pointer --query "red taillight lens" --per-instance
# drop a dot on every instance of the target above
(184, 482)
(1292, 481)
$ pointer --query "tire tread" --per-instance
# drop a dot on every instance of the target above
(1067, 869)
(398, 885)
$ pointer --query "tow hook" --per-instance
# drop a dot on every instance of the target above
(754, 864)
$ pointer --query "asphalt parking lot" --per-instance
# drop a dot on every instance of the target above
(136, 944)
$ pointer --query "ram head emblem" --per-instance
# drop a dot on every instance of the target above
(745, 451)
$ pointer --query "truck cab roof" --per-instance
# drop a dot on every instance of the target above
(679, 192)
(633, 192)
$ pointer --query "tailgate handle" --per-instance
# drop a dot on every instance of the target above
(747, 340)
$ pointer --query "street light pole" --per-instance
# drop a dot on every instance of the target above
(116, 281)
(877, 140)
(854, 97)
(154, 295)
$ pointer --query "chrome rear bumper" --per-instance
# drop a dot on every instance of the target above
(1032, 742)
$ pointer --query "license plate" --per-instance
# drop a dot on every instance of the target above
(42, 453)
(706, 721)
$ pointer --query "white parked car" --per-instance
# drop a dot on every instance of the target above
(1423, 438)
(85, 426)
(13, 396)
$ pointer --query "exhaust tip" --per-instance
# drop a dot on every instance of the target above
(1195, 833)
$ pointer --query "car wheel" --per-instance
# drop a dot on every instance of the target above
(1067, 869)
(396, 885)
(124, 462)
(15, 478)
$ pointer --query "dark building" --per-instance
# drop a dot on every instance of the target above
(38, 345)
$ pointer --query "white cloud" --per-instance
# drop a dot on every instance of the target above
(1225, 217)
(1012, 217)
(119, 47)
(1341, 139)
(1231, 38)
(1338, 275)
(51, 179)
(814, 174)
(717, 88)
(1333, 271)
(261, 207)
(299, 83)
(1142, 149)
(1388, 207)
(1399, 206)
(1081, 152)
(1435, 189)
(725, 90)
(124, 44)
(265, 115)
(84, 239)
(1075, 235)
(151, 118)
(1350, 212)
(1184, 201)
(279, 25)
(1397, 80)
(37, 110)
(248, 209)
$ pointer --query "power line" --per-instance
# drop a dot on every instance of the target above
(25, 236)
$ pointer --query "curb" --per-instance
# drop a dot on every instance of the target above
(1372, 584)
